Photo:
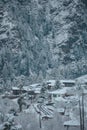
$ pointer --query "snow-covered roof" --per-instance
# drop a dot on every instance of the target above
(51, 82)
(37, 91)
(59, 91)
(84, 80)
(15, 88)
(60, 99)
(72, 123)
(67, 81)
(26, 88)
(85, 92)
(34, 85)
(84, 77)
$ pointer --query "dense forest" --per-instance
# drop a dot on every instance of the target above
(42, 39)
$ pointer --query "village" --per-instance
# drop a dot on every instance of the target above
(48, 105)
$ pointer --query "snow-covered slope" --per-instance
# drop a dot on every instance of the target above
(43, 39)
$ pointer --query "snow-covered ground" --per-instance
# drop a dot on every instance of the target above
(29, 118)
(64, 111)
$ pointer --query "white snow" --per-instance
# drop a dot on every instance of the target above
(72, 123)
(3, 36)
(63, 36)
(61, 110)
(51, 82)
(82, 78)
(34, 85)
(26, 88)
(59, 91)
(37, 91)
(67, 81)
(15, 88)
(60, 99)
(30, 110)
(64, 13)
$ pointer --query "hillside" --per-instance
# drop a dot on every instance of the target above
(42, 39)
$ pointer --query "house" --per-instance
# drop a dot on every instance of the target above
(36, 88)
(33, 86)
(68, 83)
(57, 93)
(50, 84)
(85, 83)
(15, 90)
